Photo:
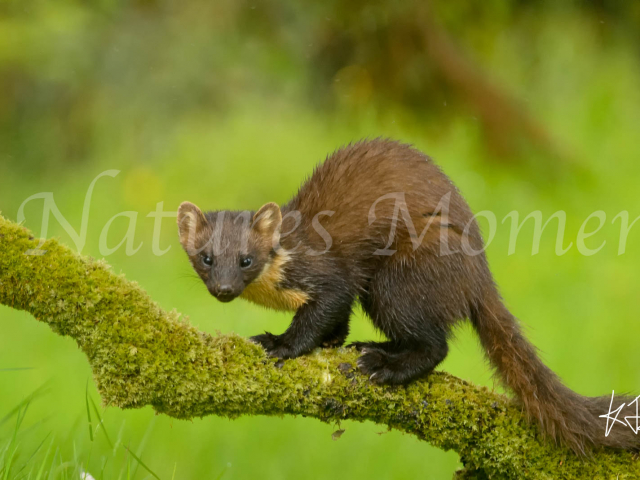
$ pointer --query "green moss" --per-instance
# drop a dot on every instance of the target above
(141, 355)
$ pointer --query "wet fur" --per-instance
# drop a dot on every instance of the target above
(414, 296)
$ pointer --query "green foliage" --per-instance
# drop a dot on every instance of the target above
(71, 70)
(141, 355)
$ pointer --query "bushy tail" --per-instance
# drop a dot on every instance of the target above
(563, 415)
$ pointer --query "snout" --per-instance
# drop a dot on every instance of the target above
(224, 292)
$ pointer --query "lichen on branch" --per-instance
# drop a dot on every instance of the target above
(141, 355)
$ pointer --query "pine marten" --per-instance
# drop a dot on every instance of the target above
(379, 223)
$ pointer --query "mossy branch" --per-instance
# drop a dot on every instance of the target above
(141, 355)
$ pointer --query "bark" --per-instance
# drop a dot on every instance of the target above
(142, 355)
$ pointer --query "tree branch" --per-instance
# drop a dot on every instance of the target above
(141, 355)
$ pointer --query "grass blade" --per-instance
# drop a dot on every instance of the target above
(224, 470)
(143, 443)
(22, 412)
(86, 398)
(100, 422)
(44, 462)
(104, 466)
(32, 455)
(36, 393)
(140, 462)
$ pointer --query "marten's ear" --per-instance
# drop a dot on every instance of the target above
(191, 222)
(267, 221)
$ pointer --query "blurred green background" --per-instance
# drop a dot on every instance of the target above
(527, 106)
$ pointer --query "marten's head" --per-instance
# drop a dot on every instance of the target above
(229, 249)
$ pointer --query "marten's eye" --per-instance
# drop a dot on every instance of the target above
(207, 260)
(246, 262)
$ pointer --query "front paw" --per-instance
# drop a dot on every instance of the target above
(274, 345)
(267, 340)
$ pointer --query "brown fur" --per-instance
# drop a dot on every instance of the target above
(414, 292)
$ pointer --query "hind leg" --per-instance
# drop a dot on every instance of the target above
(415, 313)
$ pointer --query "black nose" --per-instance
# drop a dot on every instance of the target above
(224, 293)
